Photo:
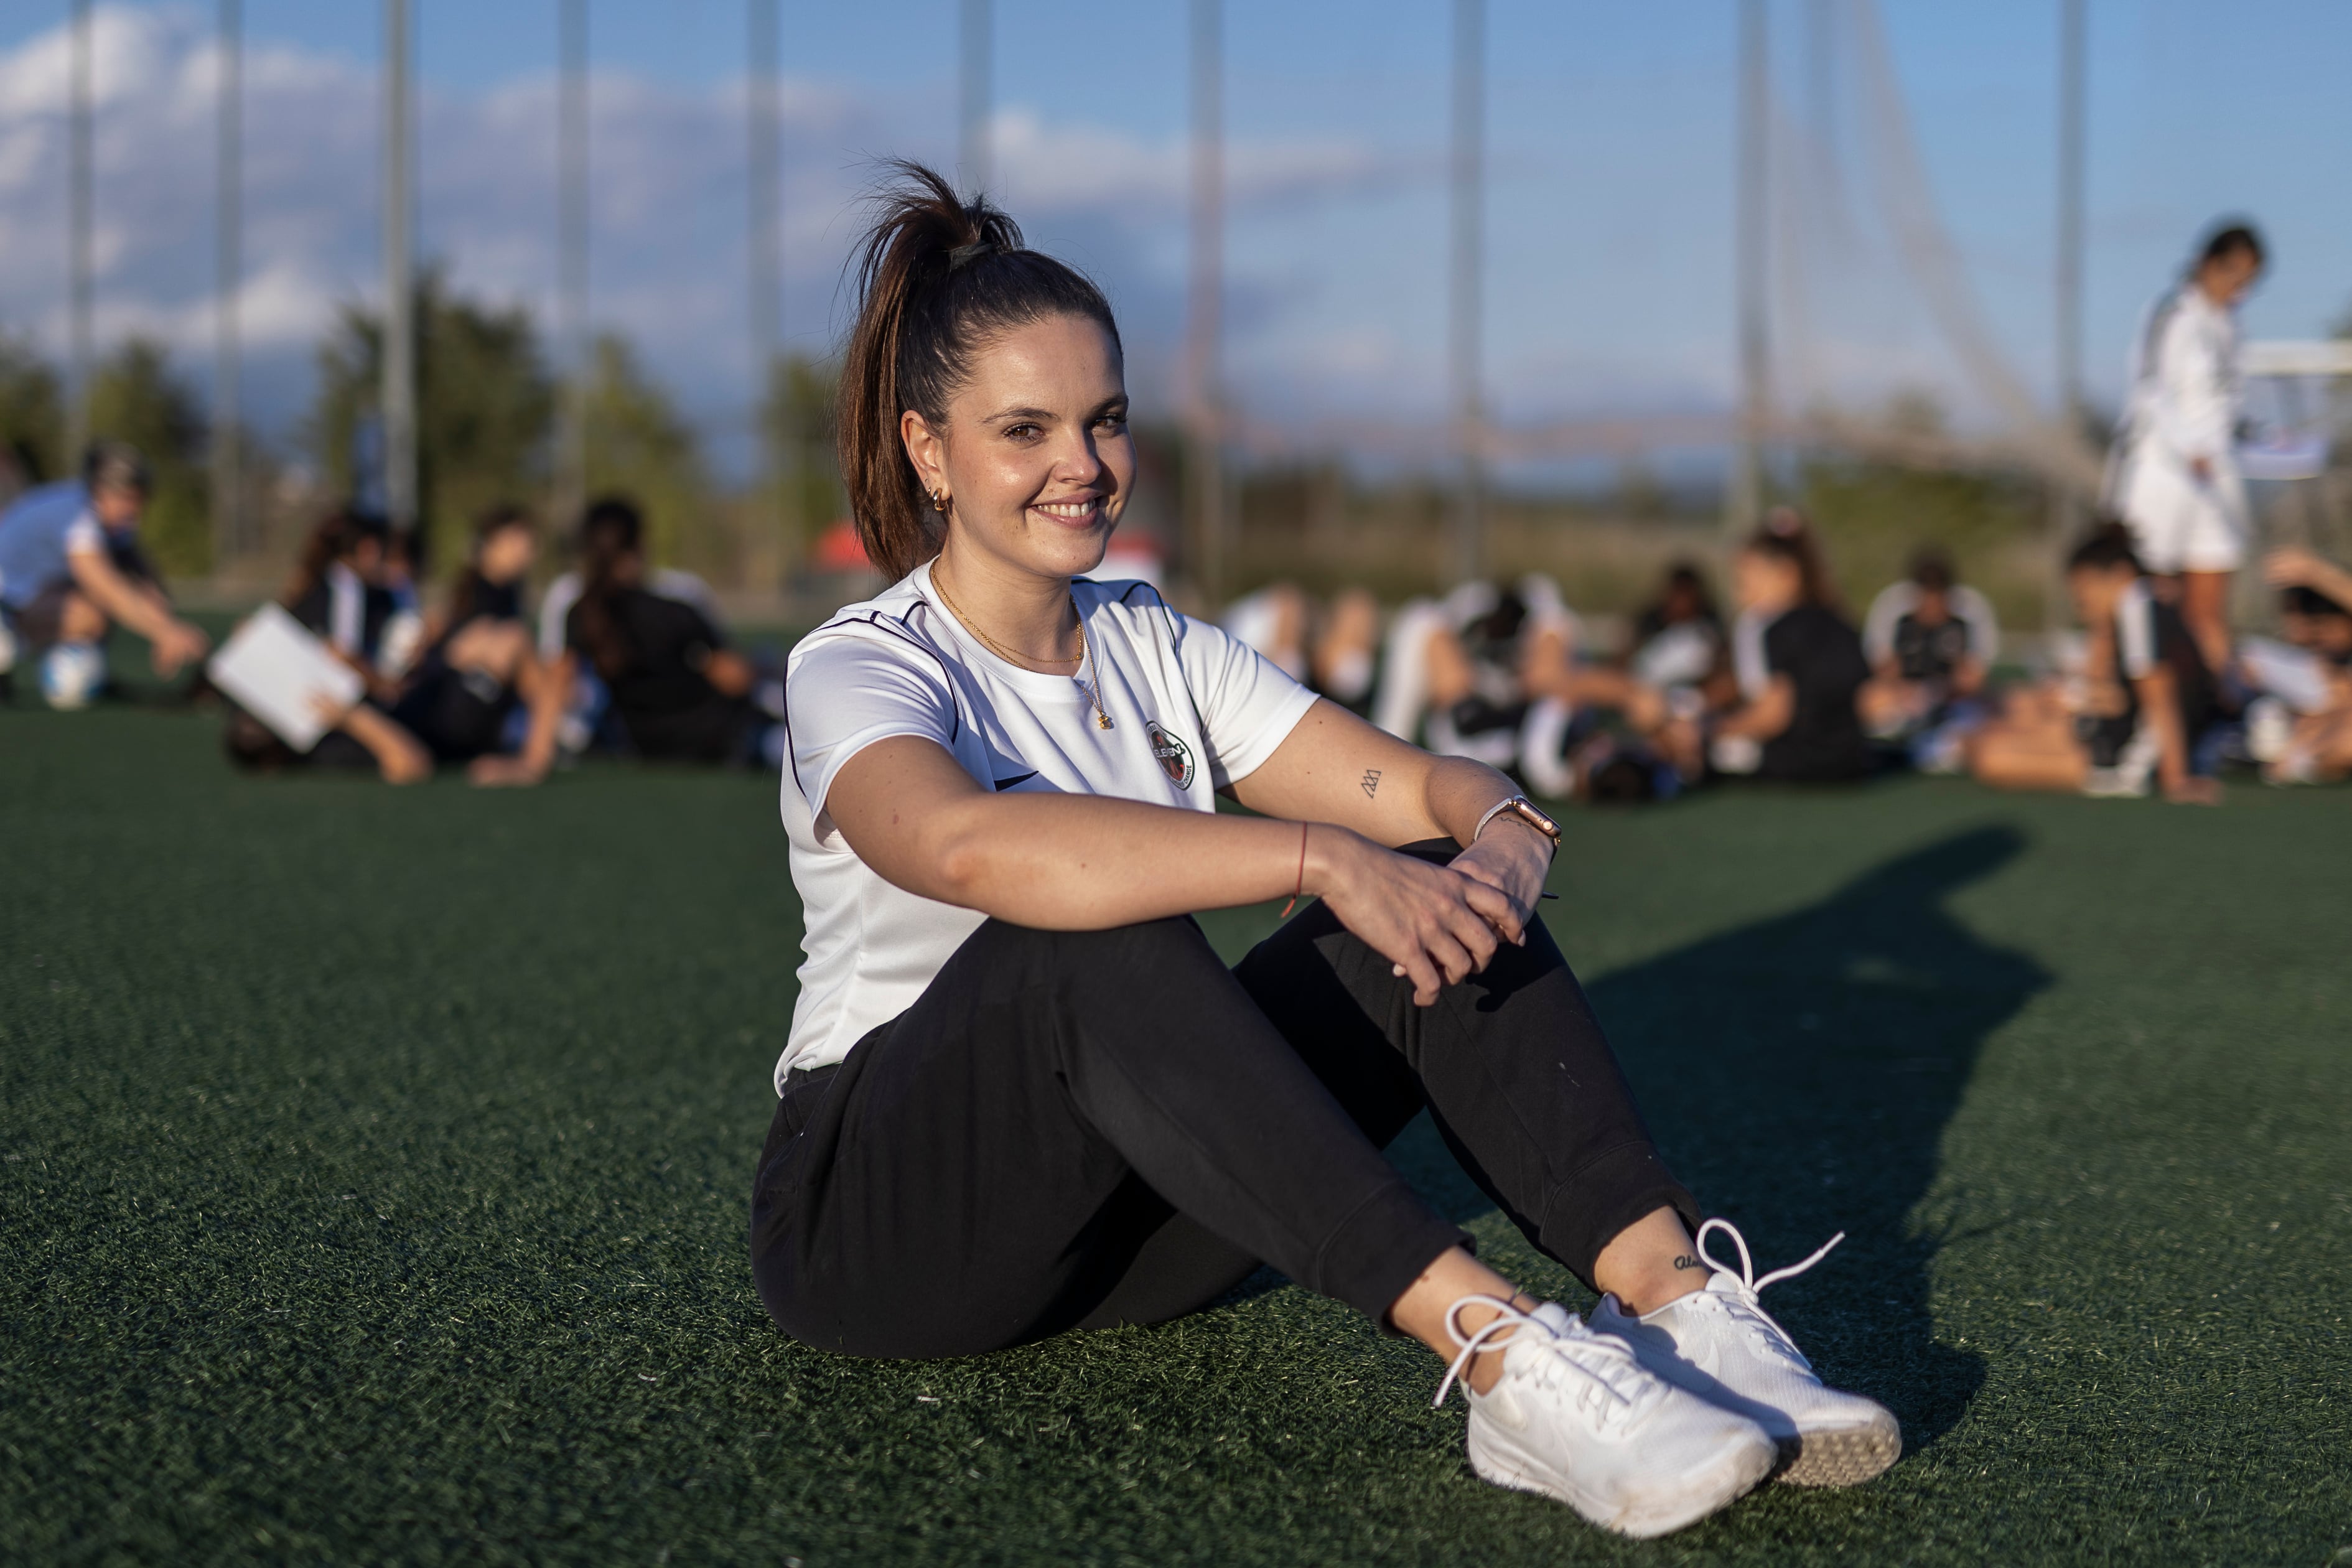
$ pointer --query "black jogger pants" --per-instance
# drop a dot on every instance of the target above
(1077, 1129)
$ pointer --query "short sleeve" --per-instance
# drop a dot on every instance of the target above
(1895, 601)
(2136, 634)
(84, 536)
(1247, 705)
(845, 692)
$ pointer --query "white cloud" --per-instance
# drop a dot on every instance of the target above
(667, 262)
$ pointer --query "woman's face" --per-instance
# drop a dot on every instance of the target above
(507, 553)
(1036, 455)
(2228, 276)
(1763, 581)
(2095, 591)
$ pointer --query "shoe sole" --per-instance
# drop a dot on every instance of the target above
(1841, 1458)
(1731, 1478)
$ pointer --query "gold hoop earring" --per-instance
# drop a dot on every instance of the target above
(940, 502)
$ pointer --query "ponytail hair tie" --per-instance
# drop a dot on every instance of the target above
(963, 253)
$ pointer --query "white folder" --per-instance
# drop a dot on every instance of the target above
(275, 669)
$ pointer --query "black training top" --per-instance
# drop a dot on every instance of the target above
(1822, 656)
(1930, 653)
(666, 703)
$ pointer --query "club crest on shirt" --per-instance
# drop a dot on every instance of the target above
(1174, 757)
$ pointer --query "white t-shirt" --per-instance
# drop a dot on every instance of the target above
(1193, 709)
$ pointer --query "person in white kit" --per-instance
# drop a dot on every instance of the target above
(1021, 1095)
(2176, 482)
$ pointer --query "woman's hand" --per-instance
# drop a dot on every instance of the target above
(1513, 859)
(1438, 925)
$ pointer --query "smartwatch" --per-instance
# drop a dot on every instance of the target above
(1526, 810)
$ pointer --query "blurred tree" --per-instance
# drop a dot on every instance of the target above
(638, 444)
(796, 420)
(135, 397)
(32, 415)
(485, 408)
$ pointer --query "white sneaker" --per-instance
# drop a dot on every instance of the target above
(1575, 1417)
(1720, 1344)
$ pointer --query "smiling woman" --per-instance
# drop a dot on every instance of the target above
(1023, 1096)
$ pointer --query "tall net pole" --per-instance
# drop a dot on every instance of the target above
(978, 41)
(397, 391)
(572, 258)
(764, 166)
(228, 531)
(78, 173)
(1205, 311)
(2065, 510)
(1466, 278)
(1744, 496)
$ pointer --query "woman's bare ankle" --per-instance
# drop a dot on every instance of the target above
(1423, 1310)
(1650, 1263)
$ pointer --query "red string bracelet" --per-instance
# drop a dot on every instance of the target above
(1298, 892)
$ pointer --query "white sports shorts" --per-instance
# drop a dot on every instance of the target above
(2179, 523)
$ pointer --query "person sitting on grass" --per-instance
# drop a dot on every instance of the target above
(480, 694)
(1931, 640)
(1798, 665)
(1677, 643)
(72, 571)
(1022, 1095)
(679, 692)
(337, 591)
(2144, 702)
(2300, 726)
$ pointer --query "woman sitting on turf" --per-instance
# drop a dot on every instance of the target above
(1022, 1094)
(479, 668)
(680, 693)
(2144, 700)
(1799, 664)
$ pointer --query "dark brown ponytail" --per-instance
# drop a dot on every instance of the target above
(938, 276)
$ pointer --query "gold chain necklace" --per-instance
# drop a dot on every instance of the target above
(1092, 683)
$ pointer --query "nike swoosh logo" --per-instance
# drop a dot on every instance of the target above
(1002, 784)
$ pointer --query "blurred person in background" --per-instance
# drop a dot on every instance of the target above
(1273, 620)
(1798, 663)
(1492, 673)
(1334, 651)
(2137, 715)
(1677, 642)
(2176, 482)
(72, 571)
(677, 691)
(668, 581)
(338, 590)
(480, 694)
(1477, 674)
(1344, 664)
(2299, 723)
(1931, 641)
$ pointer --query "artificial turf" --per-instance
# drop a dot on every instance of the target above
(374, 1170)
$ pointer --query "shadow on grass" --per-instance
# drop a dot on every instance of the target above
(1798, 1073)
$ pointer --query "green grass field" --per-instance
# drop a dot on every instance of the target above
(376, 1167)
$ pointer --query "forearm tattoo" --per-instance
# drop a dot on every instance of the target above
(1371, 783)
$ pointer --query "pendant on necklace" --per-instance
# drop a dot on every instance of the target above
(1102, 720)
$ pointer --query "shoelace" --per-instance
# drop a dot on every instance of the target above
(1751, 1286)
(1509, 1317)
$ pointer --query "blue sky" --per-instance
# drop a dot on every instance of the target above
(1611, 135)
